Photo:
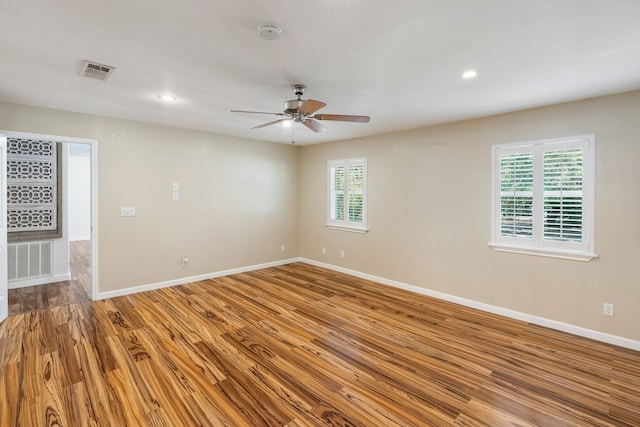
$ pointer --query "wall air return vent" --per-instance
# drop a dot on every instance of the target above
(29, 260)
(96, 71)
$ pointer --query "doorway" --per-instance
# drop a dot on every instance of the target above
(79, 202)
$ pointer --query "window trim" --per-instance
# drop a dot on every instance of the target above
(537, 245)
(346, 225)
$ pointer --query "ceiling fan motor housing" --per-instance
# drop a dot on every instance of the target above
(291, 107)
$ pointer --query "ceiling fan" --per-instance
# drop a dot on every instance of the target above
(302, 111)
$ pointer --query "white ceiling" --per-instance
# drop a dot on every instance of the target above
(399, 62)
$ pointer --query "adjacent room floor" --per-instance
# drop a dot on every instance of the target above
(76, 290)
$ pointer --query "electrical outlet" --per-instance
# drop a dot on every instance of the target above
(607, 309)
(341, 254)
(283, 248)
(128, 211)
(185, 262)
(324, 250)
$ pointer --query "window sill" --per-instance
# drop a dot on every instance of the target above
(347, 228)
(553, 253)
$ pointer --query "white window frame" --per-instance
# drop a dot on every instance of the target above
(537, 244)
(346, 224)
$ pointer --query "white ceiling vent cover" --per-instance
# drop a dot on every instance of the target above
(96, 71)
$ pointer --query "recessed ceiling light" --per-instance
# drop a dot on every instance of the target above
(167, 97)
(469, 74)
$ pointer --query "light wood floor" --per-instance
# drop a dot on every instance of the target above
(56, 294)
(298, 345)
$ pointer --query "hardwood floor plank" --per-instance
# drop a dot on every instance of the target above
(101, 330)
(70, 371)
(50, 406)
(327, 413)
(156, 379)
(11, 393)
(204, 405)
(375, 412)
(80, 255)
(317, 381)
(132, 380)
(30, 414)
(298, 345)
(134, 410)
(480, 413)
(31, 368)
(157, 418)
(12, 332)
(100, 395)
(273, 380)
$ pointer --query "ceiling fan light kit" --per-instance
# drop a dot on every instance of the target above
(301, 111)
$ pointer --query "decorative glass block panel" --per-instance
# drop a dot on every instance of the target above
(31, 147)
(34, 219)
(30, 170)
(28, 194)
(32, 185)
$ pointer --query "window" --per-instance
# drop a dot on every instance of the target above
(347, 194)
(543, 197)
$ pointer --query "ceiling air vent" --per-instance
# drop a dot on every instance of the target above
(96, 71)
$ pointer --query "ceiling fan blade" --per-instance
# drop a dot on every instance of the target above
(342, 118)
(310, 106)
(270, 123)
(314, 126)
(255, 112)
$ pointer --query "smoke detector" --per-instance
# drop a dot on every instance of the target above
(269, 31)
(96, 71)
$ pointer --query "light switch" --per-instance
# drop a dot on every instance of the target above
(176, 195)
(175, 186)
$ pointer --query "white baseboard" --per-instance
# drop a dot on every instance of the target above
(79, 238)
(39, 281)
(552, 324)
(184, 280)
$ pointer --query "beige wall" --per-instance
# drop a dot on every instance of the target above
(429, 214)
(429, 207)
(238, 198)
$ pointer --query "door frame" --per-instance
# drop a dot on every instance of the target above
(4, 277)
(93, 143)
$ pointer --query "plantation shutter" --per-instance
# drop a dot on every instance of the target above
(347, 194)
(544, 197)
(337, 195)
(356, 187)
(563, 195)
(516, 195)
